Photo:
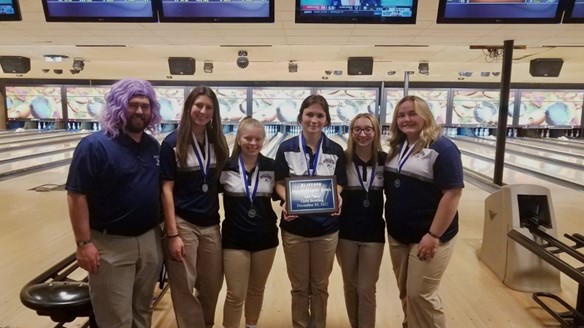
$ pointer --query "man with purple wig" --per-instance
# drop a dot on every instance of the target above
(113, 192)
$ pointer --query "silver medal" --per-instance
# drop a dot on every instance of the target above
(366, 203)
(205, 187)
(251, 213)
(397, 183)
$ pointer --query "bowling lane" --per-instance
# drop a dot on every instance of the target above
(40, 142)
(32, 151)
(41, 162)
(527, 150)
(564, 146)
(30, 132)
(44, 135)
(538, 167)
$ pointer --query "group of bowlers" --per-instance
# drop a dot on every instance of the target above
(121, 180)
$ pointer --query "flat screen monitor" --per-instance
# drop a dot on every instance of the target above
(100, 11)
(356, 11)
(498, 11)
(233, 11)
(574, 12)
(9, 10)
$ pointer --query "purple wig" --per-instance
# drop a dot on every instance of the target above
(113, 116)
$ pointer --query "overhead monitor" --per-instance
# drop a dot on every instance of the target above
(498, 11)
(233, 11)
(100, 11)
(574, 12)
(9, 10)
(356, 11)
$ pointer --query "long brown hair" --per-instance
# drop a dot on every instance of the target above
(213, 129)
(375, 146)
(430, 130)
(247, 122)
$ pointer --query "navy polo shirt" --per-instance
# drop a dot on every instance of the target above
(239, 230)
(357, 222)
(290, 162)
(410, 209)
(190, 202)
(121, 180)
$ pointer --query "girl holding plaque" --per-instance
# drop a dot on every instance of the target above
(250, 233)
(423, 185)
(191, 159)
(362, 228)
(310, 240)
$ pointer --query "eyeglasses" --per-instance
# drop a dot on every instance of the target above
(357, 131)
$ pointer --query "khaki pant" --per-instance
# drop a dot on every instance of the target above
(246, 274)
(309, 262)
(195, 283)
(418, 283)
(122, 289)
(360, 263)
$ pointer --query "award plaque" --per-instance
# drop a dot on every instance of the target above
(311, 194)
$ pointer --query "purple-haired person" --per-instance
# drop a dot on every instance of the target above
(113, 192)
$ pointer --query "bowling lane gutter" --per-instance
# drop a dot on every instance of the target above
(522, 154)
(519, 143)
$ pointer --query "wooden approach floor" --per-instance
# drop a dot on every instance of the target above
(36, 234)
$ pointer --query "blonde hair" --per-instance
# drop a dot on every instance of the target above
(375, 146)
(429, 133)
(246, 123)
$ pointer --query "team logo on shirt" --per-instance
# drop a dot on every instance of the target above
(157, 159)
(379, 175)
(329, 162)
(266, 178)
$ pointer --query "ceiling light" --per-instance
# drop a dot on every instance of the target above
(55, 58)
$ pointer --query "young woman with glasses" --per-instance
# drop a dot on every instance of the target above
(362, 228)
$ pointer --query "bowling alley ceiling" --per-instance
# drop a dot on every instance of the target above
(118, 50)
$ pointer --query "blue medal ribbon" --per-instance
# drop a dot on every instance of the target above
(205, 162)
(311, 166)
(254, 184)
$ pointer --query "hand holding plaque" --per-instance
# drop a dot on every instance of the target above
(311, 195)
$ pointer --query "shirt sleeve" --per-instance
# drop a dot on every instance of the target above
(167, 162)
(341, 167)
(83, 170)
(448, 170)
(281, 169)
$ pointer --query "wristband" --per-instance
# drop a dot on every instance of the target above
(82, 243)
(173, 236)
(433, 235)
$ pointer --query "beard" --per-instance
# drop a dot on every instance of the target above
(137, 123)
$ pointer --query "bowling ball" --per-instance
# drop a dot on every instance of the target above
(558, 114)
(486, 113)
(347, 110)
(287, 111)
(166, 110)
(95, 106)
(41, 107)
